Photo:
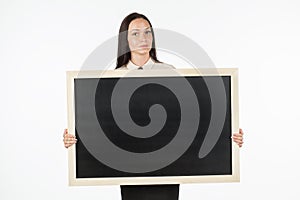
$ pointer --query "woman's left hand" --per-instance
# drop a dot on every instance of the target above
(238, 137)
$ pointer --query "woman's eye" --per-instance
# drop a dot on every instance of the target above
(135, 34)
(148, 32)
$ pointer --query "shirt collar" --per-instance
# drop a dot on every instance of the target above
(147, 65)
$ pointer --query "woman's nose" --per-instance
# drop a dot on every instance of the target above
(143, 37)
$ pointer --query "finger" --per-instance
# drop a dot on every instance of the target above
(69, 143)
(237, 139)
(237, 135)
(69, 139)
(65, 131)
(241, 131)
(66, 144)
(239, 142)
(70, 136)
(240, 137)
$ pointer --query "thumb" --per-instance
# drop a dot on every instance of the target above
(65, 131)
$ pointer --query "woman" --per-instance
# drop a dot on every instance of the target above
(136, 50)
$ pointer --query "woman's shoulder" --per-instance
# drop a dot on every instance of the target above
(162, 65)
(152, 65)
(124, 67)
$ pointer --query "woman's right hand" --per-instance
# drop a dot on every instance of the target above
(69, 139)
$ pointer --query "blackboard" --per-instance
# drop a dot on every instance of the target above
(153, 127)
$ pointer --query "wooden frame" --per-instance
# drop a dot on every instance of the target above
(233, 177)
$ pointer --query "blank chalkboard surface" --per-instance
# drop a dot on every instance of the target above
(153, 127)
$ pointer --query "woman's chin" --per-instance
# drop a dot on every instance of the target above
(142, 51)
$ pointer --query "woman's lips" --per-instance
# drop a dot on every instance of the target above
(143, 46)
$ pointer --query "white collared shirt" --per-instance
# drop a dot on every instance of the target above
(150, 64)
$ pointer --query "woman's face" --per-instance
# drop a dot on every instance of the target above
(140, 36)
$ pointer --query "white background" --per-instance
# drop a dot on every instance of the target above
(41, 40)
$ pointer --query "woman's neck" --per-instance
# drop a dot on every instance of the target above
(139, 60)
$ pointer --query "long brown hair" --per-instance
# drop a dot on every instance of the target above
(124, 54)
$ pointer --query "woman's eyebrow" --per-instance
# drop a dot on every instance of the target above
(138, 29)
